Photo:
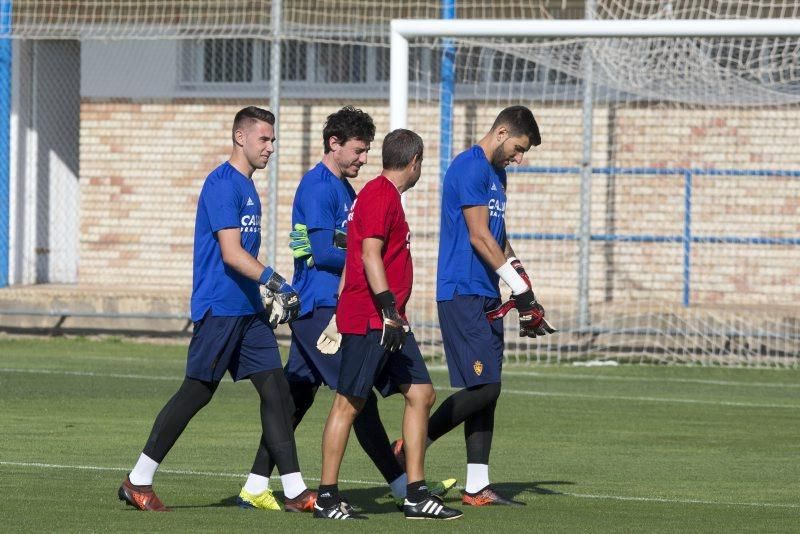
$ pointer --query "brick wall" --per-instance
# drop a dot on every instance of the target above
(142, 166)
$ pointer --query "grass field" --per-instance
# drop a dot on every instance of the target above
(624, 449)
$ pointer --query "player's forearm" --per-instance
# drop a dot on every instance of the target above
(341, 281)
(325, 254)
(375, 272)
(243, 263)
(508, 251)
(487, 248)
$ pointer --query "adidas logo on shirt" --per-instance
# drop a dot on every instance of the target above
(494, 187)
(250, 201)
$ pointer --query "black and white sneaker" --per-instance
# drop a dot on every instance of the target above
(430, 508)
(340, 510)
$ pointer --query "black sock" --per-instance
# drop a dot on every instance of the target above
(327, 495)
(417, 491)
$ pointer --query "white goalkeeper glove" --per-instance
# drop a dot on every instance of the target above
(330, 340)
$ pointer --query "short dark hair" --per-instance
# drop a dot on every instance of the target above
(247, 116)
(399, 148)
(519, 121)
(348, 123)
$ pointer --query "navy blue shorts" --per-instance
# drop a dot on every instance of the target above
(365, 364)
(473, 346)
(242, 345)
(306, 363)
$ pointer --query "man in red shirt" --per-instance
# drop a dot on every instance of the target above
(378, 348)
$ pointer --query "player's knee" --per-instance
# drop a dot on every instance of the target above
(421, 396)
(486, 393)
(347, 407)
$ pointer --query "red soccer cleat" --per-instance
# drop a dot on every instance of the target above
(302, 503)
(140, 497)
(488, 497)
(399, 453)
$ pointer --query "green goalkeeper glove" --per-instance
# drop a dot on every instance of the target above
(300, 245)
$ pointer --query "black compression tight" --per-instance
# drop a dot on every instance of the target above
(368, 428)
(277, 410)
(176, 414)
(474, 407)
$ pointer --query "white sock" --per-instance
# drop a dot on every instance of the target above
(142, 473)
(256, 484)
(477, 477)
(293, 485)
(398, 486)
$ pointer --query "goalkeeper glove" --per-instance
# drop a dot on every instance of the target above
(517, 265)
(330, 339)
(285, 300)
(394, 327)
(531, 316)
(300, 244)
(340, 239)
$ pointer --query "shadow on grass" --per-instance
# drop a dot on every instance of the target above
(378, 500)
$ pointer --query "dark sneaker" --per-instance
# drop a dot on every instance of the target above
(399, 453)
(302, 503)
(140, 497)
(437, 488)
(430, 508)
(488, 497)
(340, 510)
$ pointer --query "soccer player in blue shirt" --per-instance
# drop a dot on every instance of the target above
(231, 327)
(320, 212)
(474, 254)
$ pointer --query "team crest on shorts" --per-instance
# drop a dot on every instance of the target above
(477, 367)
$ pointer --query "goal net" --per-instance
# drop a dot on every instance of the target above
(686, 246)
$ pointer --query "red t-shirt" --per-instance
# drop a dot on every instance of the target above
(376, 212)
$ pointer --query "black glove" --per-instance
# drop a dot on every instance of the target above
(531, 316)
(394, 327)
(340, 239)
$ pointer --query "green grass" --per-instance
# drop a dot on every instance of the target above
(625, 449)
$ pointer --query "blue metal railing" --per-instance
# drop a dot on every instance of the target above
(687, 238)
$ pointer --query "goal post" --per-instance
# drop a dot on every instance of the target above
(688, 76)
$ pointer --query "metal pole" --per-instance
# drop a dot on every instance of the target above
(5, 142)
(398, 85)
(584, 248)
(447, 86)
(275, 104)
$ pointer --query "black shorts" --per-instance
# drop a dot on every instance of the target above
(365, 364)
(242, 345)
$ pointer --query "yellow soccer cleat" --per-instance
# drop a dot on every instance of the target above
(263, 501)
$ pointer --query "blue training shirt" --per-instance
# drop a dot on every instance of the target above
(322, 202)
(228, 200)
(470, 181)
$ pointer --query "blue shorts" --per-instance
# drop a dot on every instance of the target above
(242, 345)
(306, 363)
(365, 364)
(473, 346)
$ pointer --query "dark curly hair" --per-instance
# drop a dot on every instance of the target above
(348, 123)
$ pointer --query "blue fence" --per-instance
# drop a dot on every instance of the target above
(687, 238)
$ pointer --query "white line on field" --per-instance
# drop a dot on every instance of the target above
(530, 393)
(703, 381)
(637, 399)
(39, 465)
